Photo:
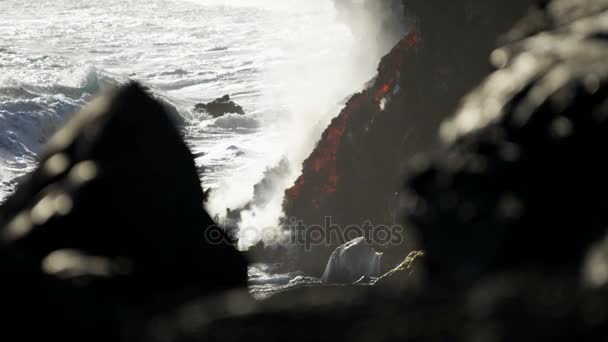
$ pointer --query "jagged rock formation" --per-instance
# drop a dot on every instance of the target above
(219, 107)
(354, 174)
(523, 180)
(115, 210)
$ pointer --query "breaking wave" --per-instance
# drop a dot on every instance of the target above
(36, 102)
(236, 121)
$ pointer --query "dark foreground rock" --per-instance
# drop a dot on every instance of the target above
(220, 107)
(523, 178)
(115, 209)
(37, 306)
(512, 307)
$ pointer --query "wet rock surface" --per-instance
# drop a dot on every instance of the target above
(220, 107)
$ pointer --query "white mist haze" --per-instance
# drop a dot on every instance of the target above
(324, 61)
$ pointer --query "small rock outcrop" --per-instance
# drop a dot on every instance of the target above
(405, 274)
(351, 261)
(220, 107)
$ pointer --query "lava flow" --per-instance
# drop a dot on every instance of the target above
(320, 177)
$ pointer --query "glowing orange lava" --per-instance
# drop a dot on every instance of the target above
(320, 177)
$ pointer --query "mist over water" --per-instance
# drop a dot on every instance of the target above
(289, 63)
(319, 71)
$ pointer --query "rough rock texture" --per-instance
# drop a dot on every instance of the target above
(523, 180)
(355, 172)
(219, 107)
(407, 274)
(115, 208)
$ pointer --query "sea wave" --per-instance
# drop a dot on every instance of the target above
(31, 112)
(265, 282)
(236, 121)
(37, 95)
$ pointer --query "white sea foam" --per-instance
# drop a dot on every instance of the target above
(287, 62)
(54, 55)
(236, 121)
(266, 281)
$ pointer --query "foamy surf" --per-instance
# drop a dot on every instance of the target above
(284, 61)
(35, 103)
(265, 281)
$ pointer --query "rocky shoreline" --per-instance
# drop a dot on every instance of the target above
(356, 172)
(108, 239)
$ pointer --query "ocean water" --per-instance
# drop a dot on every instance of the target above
(54, 55)
(289, 63)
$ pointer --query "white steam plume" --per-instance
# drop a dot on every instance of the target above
(325, 62)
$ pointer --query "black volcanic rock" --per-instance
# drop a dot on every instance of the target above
(355, 173)
(512, 307)
(510, 207)
(117, 207)
(220, 107)
(522, 181)
(37, 306)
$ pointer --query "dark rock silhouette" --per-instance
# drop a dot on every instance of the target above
(115, 207)
(39, 306)
(355, 173)
(506, 308)
(220, 107)
(525, 161)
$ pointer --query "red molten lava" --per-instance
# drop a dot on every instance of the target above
(320, 178)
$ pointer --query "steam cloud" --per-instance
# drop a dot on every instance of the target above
(331, 61)
(376, 25)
